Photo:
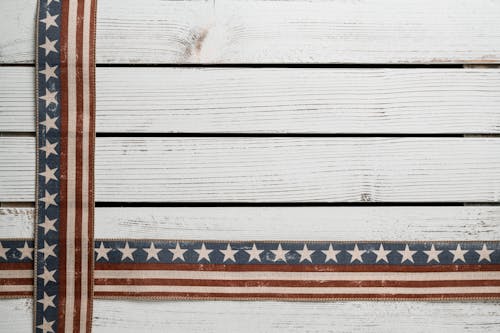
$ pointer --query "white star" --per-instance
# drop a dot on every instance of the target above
(127, 252)
(484, 253)
(458, 254)
(48, 225)
(47, 301)
(102, 252)
(331, 254)
(381, 254)
(433, 254)
(407, 254)
(49, 1)
(356, 253)
(46, 326)
(49, 148)
(49, 21)
(178, 253)
(49, 71)
(203, 253)
(254, 253)
(228, 253)
(305, 254)
(47, 276)
(49, 123)
(48, 250)
(49, 97)
(3, 251)
(152, 252)
(26, 251)
(279, 254)
(49, 199)
(49, 46)
(48, 174)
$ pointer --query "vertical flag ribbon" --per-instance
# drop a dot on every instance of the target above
(65, 63)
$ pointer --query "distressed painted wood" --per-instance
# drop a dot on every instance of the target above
(276, 100)
(224, 316)
(228, 31)
(275, 223)
(16, 222)
(271, 169)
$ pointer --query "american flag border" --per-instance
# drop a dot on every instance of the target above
(65, 97)
(259, 270)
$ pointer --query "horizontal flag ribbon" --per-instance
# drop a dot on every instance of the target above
(176, 269)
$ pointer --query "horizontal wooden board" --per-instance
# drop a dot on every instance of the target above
(225, 316)
(275, 169)
(276, 100)
(280, 223)
(229, 31)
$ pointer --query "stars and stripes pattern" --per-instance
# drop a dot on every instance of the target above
(69, 269)
(157, 269)
(65, 140)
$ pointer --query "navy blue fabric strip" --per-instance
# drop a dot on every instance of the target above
(297, 253)
(48, 160)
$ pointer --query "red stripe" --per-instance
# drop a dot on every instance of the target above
(294, 283)
(16, 294)
(15, 281)
(90, 280)
(78, 166)
(16, 266)
(61, 307)
(270, 296)
(295, 268)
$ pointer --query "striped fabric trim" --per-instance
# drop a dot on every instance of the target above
(65, 139)
(163, 269)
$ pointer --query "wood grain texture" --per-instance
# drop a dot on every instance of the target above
(280, 223)
(229, 31)
(224, 316)
(271, 169)
(276, 100)
(16, 222)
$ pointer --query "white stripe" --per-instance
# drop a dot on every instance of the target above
(12, 274)
(16, 288)
(299, 290)
(291, 276)
(85, 162)
(71, 169)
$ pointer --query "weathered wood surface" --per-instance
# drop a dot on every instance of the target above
(229, 31)
(282, 100)
(285, 223)
(276, 100)
(271, 169)
(225, 316)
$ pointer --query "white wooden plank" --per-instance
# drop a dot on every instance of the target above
(229, 31)
(275, 169)
(221, 316)
(17, 163)
(16, 222)
(17, 315)
(276, 100)
(17, 40)
(286, 223)
(301, 223)
(295, 317)
(17, 99)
